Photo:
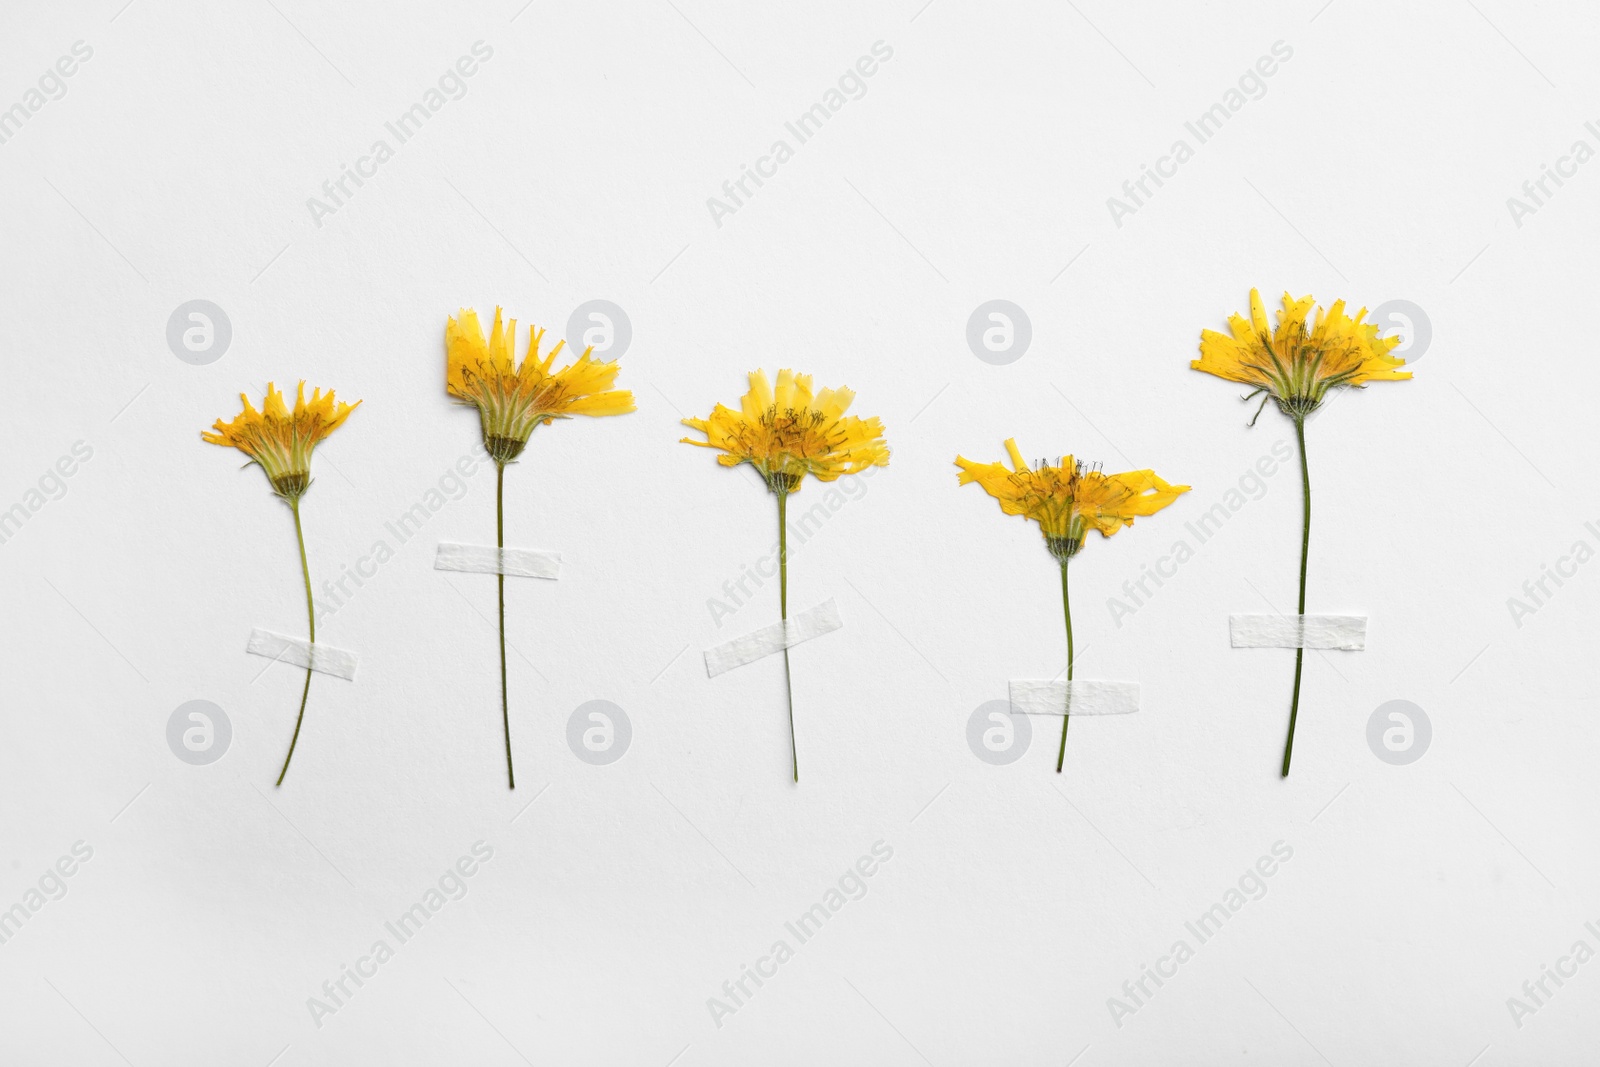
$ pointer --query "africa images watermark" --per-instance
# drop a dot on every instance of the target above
(737, 592)
(851, 85)
(1251, 485)
(452, 485)
(1536, 192)
(52, 485)
(52, 886)
(851, 885)
(451, 885)
(1252, 85)
(1538, 592)
(1536, 992)
(405, 126)
(51, 85)
(1251, 885)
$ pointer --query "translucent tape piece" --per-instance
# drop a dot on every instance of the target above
(1348, 632)
(298, 653)
(813, 622)
(1080, 697)
(483, 559)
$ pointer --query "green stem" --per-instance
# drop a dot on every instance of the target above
(1305, 552)
(500, 543)
(783, 613)
(1066, 609)
(311, 624)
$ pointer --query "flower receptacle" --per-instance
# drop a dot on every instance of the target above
(291, 485)
(1063, 548)
(503, 449)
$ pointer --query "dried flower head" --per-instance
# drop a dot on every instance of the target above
(788, 432)
(280, 441)
(1297, 363)
(1069, 499)
(513, 400)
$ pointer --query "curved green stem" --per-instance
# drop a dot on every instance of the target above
(1066, 609)
(311, 625)
(1305, 551)
(500, 543)
(783, 613)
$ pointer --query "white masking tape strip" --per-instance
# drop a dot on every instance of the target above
(813, 622)
(1038, 697)
(481, 559)
(298, 653)
(1348, 632)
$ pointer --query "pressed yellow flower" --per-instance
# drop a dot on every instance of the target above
(1067, 500)
(513, 400)
(1070, 499)
(787, 432)
(279, 440)
(1297, 363)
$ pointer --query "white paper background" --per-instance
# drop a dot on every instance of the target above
(977, 166)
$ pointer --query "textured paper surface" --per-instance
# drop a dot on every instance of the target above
(301, 653)
(1347, 632)
(813, 622)
(486, 559)
(977, 165)
(1077, 697)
